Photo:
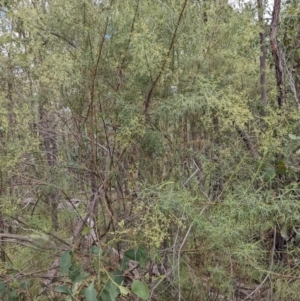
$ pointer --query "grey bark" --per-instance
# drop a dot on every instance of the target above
(277, 55)
(263, 89)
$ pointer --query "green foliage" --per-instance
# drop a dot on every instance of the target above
(112, 287)
(138, 255)
(140, 289)
(90, 293)
(65, 262)
(137, 105)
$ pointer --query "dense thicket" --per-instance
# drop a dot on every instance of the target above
(149, 149)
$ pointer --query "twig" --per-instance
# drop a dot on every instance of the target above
(149, 94)
(178, 263)
(191, 176)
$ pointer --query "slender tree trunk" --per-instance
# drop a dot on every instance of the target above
(277, 55)
(218, 183)
(296, 68)
(2, 244)
(263, 90)
(48, 131)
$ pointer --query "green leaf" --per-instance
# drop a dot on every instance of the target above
(110, 292)
(82, 277)
(95, 250)
(118, 277)
(90, 293)
(105, 295)
(124, 290)
(2, 288)
(63, 290)
(78, 282)
(138, 255)
(65, 262)
(74, 271)
(293, 137)
(124, 264)
(13, 296)
(140, 289)
(113, 291)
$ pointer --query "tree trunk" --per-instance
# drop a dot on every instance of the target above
(277, 55)
(263, 90)
(2, 243)
(48, 131)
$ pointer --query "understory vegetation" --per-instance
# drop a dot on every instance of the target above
(149, 150)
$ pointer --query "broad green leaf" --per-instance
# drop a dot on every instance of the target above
(113, 291)
(82, 277)
(2, 288)
(132, 254)
(13, 295)
(143, 256)
(78, 282)
(110, 292)
(138, 255)
(95, 250)
(124, 264)
(118, 277)
(74, 271)
(140, 289)
(63, 290)
(90, 293)
(65, 262)
(105, 295)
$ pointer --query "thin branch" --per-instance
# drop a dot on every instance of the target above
(248, 142)
(149, 94)
(178, 259)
